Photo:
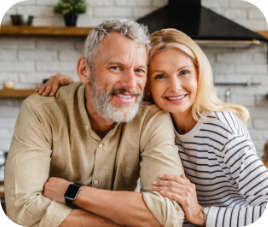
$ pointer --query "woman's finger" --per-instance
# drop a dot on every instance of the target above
(169, 184)
(70, 80)
(41, 89)
(178, 198)
(168, 189)
(170, 177)
(49, 86)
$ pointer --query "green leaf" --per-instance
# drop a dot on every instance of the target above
(72, 7)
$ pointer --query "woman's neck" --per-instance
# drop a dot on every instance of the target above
(184, 122)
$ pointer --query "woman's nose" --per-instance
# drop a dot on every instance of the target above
(175, 85)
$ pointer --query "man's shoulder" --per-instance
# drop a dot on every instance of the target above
(64, 93)
(151, 111)
(148, 107)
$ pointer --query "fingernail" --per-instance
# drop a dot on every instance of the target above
(155, 187)
(161, 175)
(155, 182)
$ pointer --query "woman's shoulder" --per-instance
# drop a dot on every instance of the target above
(227, 122)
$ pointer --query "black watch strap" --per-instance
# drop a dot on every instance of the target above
(69, 202)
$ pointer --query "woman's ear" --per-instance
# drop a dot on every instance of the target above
(83, 70)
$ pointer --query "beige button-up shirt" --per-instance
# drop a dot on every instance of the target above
(53, 138)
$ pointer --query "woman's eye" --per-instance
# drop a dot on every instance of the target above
(183, 73)
(160, 77)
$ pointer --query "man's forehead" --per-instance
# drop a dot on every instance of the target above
(117, 46)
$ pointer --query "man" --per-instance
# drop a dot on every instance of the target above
(95, 133)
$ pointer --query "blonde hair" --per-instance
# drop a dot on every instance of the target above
(206, 100)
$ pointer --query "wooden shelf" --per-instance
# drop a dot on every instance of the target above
(263, 33)
(2, 194)
(10, 93)
(44, 31)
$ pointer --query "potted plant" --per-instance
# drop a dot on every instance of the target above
(70, 9)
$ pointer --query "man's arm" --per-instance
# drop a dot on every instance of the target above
(124, 208)
(82, 218)
(27, 170)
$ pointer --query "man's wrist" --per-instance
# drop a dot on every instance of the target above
(71, 195)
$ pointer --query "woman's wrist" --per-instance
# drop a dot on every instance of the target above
(205, 212)
(200, 218)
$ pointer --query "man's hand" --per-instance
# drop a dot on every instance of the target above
(52, 85)
(55, 189)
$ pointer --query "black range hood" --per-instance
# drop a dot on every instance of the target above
(198, 22)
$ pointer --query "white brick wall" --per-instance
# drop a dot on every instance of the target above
(27, 61)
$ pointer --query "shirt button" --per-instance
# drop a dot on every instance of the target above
(100, 145)
(96, 182)
(87, 127)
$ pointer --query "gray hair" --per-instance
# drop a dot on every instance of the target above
(129, 28)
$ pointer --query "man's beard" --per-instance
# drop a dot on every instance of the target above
(102, 102)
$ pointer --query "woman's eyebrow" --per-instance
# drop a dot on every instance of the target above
(157, 70)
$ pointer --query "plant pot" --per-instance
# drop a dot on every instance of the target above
(70, 20)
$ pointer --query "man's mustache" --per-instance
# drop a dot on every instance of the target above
(123, 90)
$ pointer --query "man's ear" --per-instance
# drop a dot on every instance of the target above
(83, 70)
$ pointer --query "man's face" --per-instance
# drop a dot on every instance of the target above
(118, 78)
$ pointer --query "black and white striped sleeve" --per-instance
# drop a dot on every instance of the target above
(250, 177)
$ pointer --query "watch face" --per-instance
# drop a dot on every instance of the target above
(72, 192)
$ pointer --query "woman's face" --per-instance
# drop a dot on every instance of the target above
(172, 80)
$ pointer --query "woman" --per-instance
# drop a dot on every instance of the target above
(226, 182)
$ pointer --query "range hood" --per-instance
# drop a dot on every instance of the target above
(200, 23)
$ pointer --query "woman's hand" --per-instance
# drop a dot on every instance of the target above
(52, 85)
(180, 189)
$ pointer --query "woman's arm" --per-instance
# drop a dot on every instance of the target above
(51, 87)
(250, 176)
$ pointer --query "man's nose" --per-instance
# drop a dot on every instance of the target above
(129, 79)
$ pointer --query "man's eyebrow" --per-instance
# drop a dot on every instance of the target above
(142, 67)
(115, 63)
(120, 63)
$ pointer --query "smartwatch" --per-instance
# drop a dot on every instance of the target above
(71, 195)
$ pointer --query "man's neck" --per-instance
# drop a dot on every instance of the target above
(98, 123)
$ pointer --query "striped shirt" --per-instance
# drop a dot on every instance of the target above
(219, 157)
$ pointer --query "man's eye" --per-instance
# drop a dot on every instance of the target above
(115, 67)
(139, 71)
